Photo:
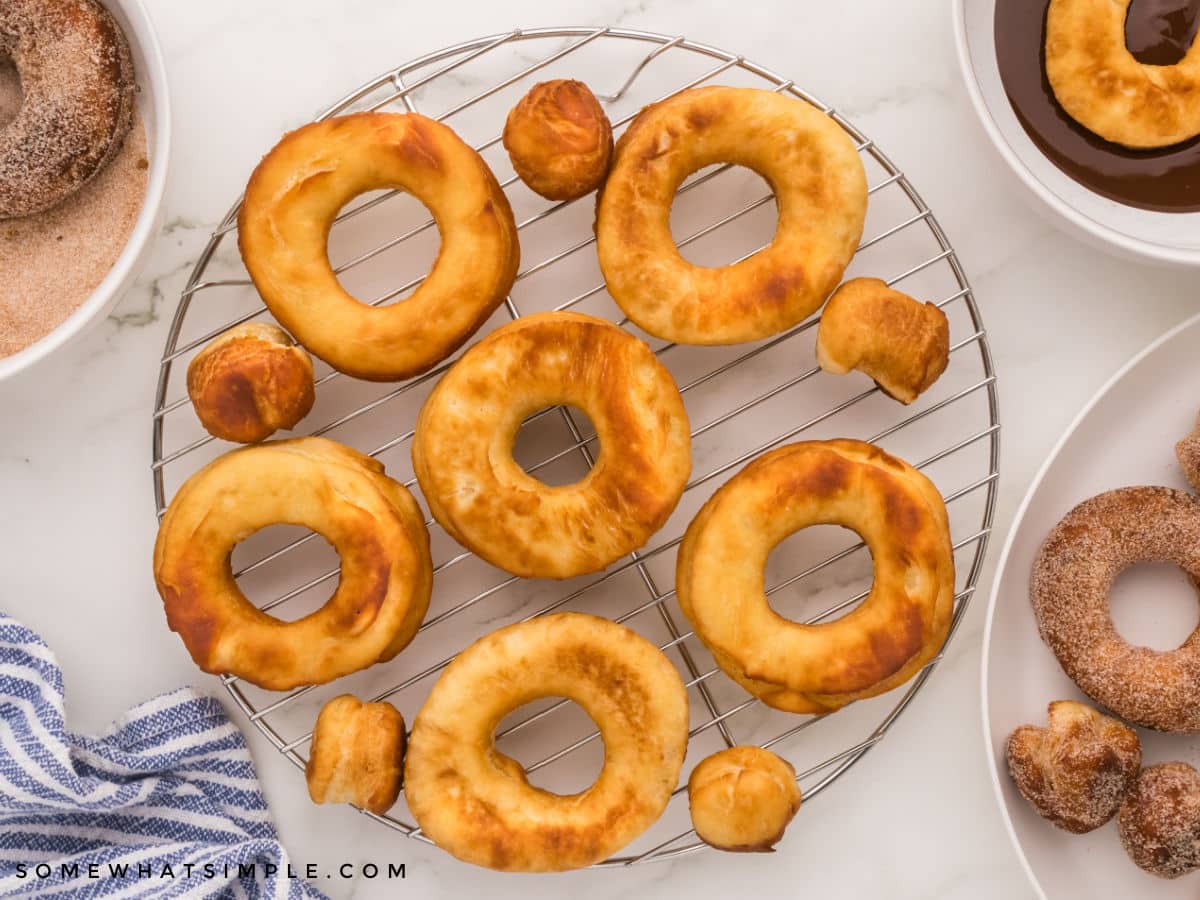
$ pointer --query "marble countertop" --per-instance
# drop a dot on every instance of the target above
(915, 819)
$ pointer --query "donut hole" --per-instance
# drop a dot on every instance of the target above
(1154, 605)
(727, 194)
(12, 96)
(381, 244)
(546, 447)
(534, 744)
(302, 575)
(800, 594)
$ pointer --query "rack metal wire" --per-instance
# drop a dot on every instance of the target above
(952, 433)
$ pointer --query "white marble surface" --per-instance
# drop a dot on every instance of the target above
(915, 819)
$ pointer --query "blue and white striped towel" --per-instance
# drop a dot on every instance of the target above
(170, 788)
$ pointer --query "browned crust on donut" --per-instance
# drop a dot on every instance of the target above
(1069, 586)
(79, 98)
(357, 754)
(372, 521)
(871, 650)
(1077, 771)
(317, 168)
(250, 382)
(1159, 824)
(903, 344)
(559, 140)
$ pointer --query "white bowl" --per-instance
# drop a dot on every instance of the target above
(1161, 237)
(154, 108)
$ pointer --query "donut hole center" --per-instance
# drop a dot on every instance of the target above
(551, 725)
(1154, 605)
(292, 584)
(1160, 32)
(12, 96)
(382, 245)
(556, 450)
(738, 195)
(804, 585)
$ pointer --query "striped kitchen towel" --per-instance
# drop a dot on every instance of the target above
(166, 803)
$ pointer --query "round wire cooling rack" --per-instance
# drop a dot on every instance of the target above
(741, 401)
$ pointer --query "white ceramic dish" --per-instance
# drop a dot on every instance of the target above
(1125, 436)
(1162, 237)
(154, 108)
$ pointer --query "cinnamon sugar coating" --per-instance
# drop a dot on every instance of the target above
(1187, 451)
(1069, 587)
(78, 83)
(1159, 824)
(1077, 771)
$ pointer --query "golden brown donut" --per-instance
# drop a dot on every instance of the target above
(900, 342)
(373, 523)
(1077, 771)
(79, 97)
(559, 140)
(299, 188)
(820, 188)
(1106, 90)
(1069, 586)
(742, 799)
(1159, 824)
(357, 754)
(475, 802)
(462, 451)
(249, 382)
(900, 626)
(1187, 451)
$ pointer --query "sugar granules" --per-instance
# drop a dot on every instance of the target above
(52, 261)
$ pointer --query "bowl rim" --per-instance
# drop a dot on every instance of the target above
(1087, 224)
(145, 38)
(1002, 564)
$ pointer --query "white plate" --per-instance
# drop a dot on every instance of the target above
(1162, 237)
(1125, 436)
(154, 108)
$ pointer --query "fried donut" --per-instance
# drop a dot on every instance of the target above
(1072, 576)
(251, 381)
(357, 754)
(900, 342)
(559, 140)
(462, 451)
(372, 521)
(1077, 771)
(900, 626)
(299, 188)
(1187, 451)
(78, 84)
(1100, 84)
(820, 187)
(742, 798)
(475, 802)
(1159, 824)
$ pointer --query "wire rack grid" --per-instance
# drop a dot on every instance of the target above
(741, 401)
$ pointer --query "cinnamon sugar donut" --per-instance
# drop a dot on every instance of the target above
(1187, 451)
(78, 85)
(1072, 575)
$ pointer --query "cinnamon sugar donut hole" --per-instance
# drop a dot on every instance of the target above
(1069, 586)
(1078, 771)
(1159, 824)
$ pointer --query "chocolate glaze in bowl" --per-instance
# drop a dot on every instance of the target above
(1158, 32)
